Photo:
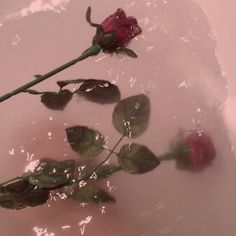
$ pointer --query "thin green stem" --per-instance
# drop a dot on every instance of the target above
(86, 176)
(109, 150)
(34, 92)
(166, 156)
(93, 50)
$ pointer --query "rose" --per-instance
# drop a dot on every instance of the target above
(194, 152)
(112, 35)
(125, 28)
(115, 32)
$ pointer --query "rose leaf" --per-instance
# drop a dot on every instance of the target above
(137, 159)
(91, 194)
(131, 115)
(87, 142)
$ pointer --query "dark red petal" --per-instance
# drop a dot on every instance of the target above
(120, 13)
(110, 20)
(202, 150)
(125, 28)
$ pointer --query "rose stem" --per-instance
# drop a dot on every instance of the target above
(34, 92)
(93, 50)
(166, 156)
(85, 176)
(89, 174)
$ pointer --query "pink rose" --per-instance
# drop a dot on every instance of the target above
(195, 151)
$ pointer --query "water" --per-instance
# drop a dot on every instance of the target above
(177, 67)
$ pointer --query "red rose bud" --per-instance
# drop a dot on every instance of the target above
(112, 35)
(126, 28)
(194, 152)
(115, 32)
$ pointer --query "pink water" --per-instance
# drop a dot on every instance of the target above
(177, 67)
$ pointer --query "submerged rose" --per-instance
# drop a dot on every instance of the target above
(125, 28)
(115, 32)
(112, 35)
(194, 152)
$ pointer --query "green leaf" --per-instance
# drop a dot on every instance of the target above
(99, 91)
(87, 142)
(131, 115)
(19, 193)
(17, 201)
(50, 174)
(11, 201)
(16, 185)
(91, 194)
(56, 101)
(126, 51)
(137, 159)
(106, 171)
(36, 197)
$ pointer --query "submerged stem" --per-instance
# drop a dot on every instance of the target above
(166, 156)
(93, 50)
(90, 173)
(34, 92)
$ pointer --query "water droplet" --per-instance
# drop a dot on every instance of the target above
(16, 40)
(12, 152)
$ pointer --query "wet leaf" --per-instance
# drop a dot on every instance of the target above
(91, 194)
(11, 201)
(106, 171)
(19, 193)
(137, 159)
(36, 197)
(126, 51)
(56, 101)
(21, 200)
(99, 91)
(50, 174)
(131, 115)
(87, 142)
(16, 185)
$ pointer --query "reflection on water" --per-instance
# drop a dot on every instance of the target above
(179, 70)
(16, 9)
